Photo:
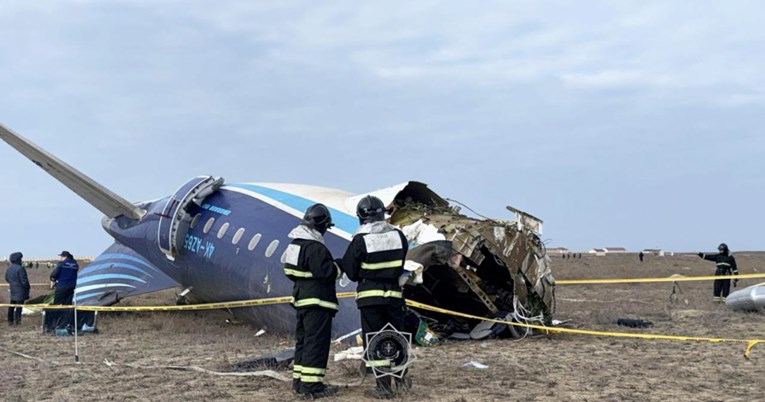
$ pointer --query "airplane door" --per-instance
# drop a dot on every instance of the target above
(175, 219)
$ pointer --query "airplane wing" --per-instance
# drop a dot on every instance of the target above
(111, 204)
(117, 273)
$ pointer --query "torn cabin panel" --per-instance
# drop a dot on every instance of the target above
(480, 267)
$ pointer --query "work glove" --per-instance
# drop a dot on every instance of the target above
(735, 282)
(404, 278)
(338, 267)
(344, 280)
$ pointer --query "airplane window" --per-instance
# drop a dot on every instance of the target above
(195, 220)
(271, 248)
(208, 225)
(222, 230)
(284, 256)
(238, 236)
(254, 242)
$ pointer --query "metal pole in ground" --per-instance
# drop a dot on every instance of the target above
(76, 330)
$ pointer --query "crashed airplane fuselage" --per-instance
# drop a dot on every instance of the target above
(225, 242)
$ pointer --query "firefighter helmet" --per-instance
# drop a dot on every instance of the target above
(317, 217)
(370, 209)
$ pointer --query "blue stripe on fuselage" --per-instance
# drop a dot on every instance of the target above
(92, 268)
(110, 276)
(107, 258)
(344, 221)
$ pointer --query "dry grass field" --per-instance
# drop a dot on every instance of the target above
(541, 368)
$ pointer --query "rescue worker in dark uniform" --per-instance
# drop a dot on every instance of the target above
(726, 265)
(375, 259)
(64, 279)
(17, 279)
(310, 265)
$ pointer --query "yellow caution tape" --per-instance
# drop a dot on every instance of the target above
(31, 284)
(750, 342)
(678, 278)
(287, 299)
(203, 306)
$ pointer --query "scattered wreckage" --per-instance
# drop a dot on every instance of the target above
(483, 267)
(751, 298)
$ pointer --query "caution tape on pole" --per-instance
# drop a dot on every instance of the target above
(287, 299)
(187, 307)
(677, 278)
(31, 284)
(749, 342)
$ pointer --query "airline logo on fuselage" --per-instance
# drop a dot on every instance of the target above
(216, 209)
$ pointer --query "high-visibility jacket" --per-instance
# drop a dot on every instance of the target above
(726, 264)
(375, 259)
(309, 264)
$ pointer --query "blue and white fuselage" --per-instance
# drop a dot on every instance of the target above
(226, 242)
(232, 250)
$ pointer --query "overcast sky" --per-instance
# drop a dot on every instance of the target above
(630, 123)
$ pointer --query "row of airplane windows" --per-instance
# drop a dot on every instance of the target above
(237, 235)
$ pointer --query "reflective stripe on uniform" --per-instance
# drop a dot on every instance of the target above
(312, 378)
(378, 293)
(382, 265)
(378, 363)
(314, 370)
(315, 302)
(299, 274)
(723, 263)
(297, 371)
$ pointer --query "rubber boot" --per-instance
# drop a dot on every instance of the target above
(323, 392)
(296, 385)
(403, 384)
(382, 390)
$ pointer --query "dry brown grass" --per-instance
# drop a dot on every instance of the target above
(560, 367)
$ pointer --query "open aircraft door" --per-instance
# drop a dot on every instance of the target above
(175, 219)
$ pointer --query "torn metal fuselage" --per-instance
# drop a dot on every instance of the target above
(479, 267)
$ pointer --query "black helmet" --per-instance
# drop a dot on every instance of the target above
(370, 209)
(317, 217)
(723, 248)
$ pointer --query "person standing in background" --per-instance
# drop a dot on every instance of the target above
(726, 265)
(17, 279)
(64, 279)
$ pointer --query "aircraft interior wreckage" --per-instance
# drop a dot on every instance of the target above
(224, 242)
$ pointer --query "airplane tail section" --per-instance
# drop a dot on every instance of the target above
(117, 273)
(111, 204)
